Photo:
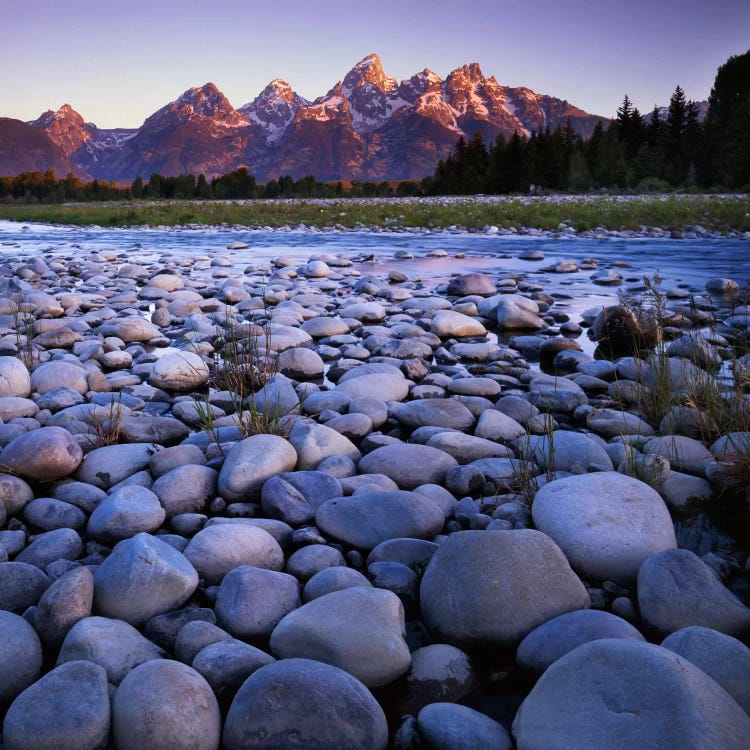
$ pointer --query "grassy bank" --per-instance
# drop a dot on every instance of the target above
(715, 213)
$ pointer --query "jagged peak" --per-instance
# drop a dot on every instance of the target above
(368, 70)
(472, 71)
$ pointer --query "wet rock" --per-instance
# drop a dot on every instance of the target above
(471, 283)
(448, 323)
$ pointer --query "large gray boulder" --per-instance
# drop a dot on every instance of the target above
(491, 588)
(20, 656)
(186, 489)
(112, 644)
(606, 523)
(217, 549)
(45, 454)
(227, 663)
(448, 323)
(67, 709)
(553, 639)
(143, 577)
(471, 283)
(51, 375)
(360, 630)
(307, 690)
(622, 694)
(165, 704)
(516, 311)
(294, 497)
(408, 464)
(567, 451)
(251, 462)
(384, 386)
(366, 519)
(720, 656)
(677, 589)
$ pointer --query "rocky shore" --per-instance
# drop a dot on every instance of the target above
(305, 507)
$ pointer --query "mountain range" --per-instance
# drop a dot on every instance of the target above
(369, 126)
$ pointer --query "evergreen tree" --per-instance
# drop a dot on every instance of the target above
(202, 188)
(136, 188)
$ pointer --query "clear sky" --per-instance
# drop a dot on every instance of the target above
(117, 62)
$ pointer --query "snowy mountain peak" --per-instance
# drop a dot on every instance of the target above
(65, 113)
(201, 101)
(368, 71)
(274, 108)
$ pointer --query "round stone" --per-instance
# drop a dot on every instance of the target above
(627, 694)
(67, 709)
(251, 462)
(51, 375)
(449, 726)
(164, 703)
(307, 690)
(492, 588)
(143, 577)
(217, 549)
(366, 519)
(408, 465)
(20, 656)
(606, 523)
(125, 513)
(14, 378)
(68, 600)
(180, 371)
(360, 630)
(45, 455)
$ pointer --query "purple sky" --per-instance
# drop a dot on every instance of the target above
(116, 63)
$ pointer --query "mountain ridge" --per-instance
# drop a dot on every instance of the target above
(368, 126)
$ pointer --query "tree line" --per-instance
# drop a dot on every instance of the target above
(660, 151)
(633, 152)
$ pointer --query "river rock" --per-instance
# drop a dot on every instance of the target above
(294, 497)
(251, 462)
(494, 425)
(67, 601)
(516, 311)
(67, 709)
(568, 451)
(20, 656)
(315, 442)
(449, 726)
(683, 453)
(449, 323)
(676, 589)
(125, 513)
(553, 639)
(51, 375)
(366, 519)
(606, 523)
(251, 601)
(408, 465)
(112, 644)
(384, 386)
(108, 466)
(21, 585)
(720, 656)
(186, 489)
(14, 378)
(328, 580)
(435, 412)
(227, 663)
(165, 704)
(492, 588)
(360, 630)
(14, 494)
(45, 454)
(301, 363)
(217, 549)
(143, 577)
(180, 371)
(60, 544)
(307, 690)
(625, 694)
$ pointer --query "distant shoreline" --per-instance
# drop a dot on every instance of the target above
(688, 215)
